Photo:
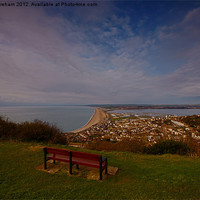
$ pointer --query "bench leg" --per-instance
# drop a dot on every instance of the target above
(100, 173)
(77, 166)
(45, 159)
(106, 167)
(106, 170)
(45, 164)
(100, 167)
(70, 168)
(54, 157)
(70, 162)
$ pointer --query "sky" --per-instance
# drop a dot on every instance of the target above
(118, 52)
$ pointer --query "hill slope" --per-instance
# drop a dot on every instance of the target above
(139, 176)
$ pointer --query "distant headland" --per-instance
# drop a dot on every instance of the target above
(146, 106)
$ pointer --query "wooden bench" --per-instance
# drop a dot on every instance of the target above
(75, 158)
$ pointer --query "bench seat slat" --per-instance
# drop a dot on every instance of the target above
(84, 155)
(57, 151)
(79, 161)
(86, 162)
(63, 158)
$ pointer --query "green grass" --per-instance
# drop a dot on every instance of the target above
(139, 177)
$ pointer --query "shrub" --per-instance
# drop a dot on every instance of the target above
(7, 129)
(101, 145)
(31, 131)
(125, 144)
(132, 145)
(194, 146)
(168, 146)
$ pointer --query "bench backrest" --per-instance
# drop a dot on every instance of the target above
(57, 151)
(76, 154)
(84, 155)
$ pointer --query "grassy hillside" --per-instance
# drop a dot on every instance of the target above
(139, 176)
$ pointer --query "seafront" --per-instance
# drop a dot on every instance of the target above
(98, 117)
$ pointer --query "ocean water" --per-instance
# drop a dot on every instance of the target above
(67, 118)
(161, 112)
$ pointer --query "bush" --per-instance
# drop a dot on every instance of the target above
(7, 129)
(101, 145)
(31, 131)
(132, 145)
(194, 146)
(126, 144)
(168, 146)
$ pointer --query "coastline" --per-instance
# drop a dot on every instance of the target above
(98, 117)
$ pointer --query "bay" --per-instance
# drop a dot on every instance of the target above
(67, 118)
(161, 112)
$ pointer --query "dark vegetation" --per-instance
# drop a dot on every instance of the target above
(168, 147)
(31, 131)
(131, 145)
(194, 146)
(135, 146)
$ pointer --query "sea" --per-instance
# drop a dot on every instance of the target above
(66, 118)
(160, 112)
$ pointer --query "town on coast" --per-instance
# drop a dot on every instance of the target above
(115, 127)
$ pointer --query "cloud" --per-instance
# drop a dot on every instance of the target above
(54, 58)
(184, 45)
